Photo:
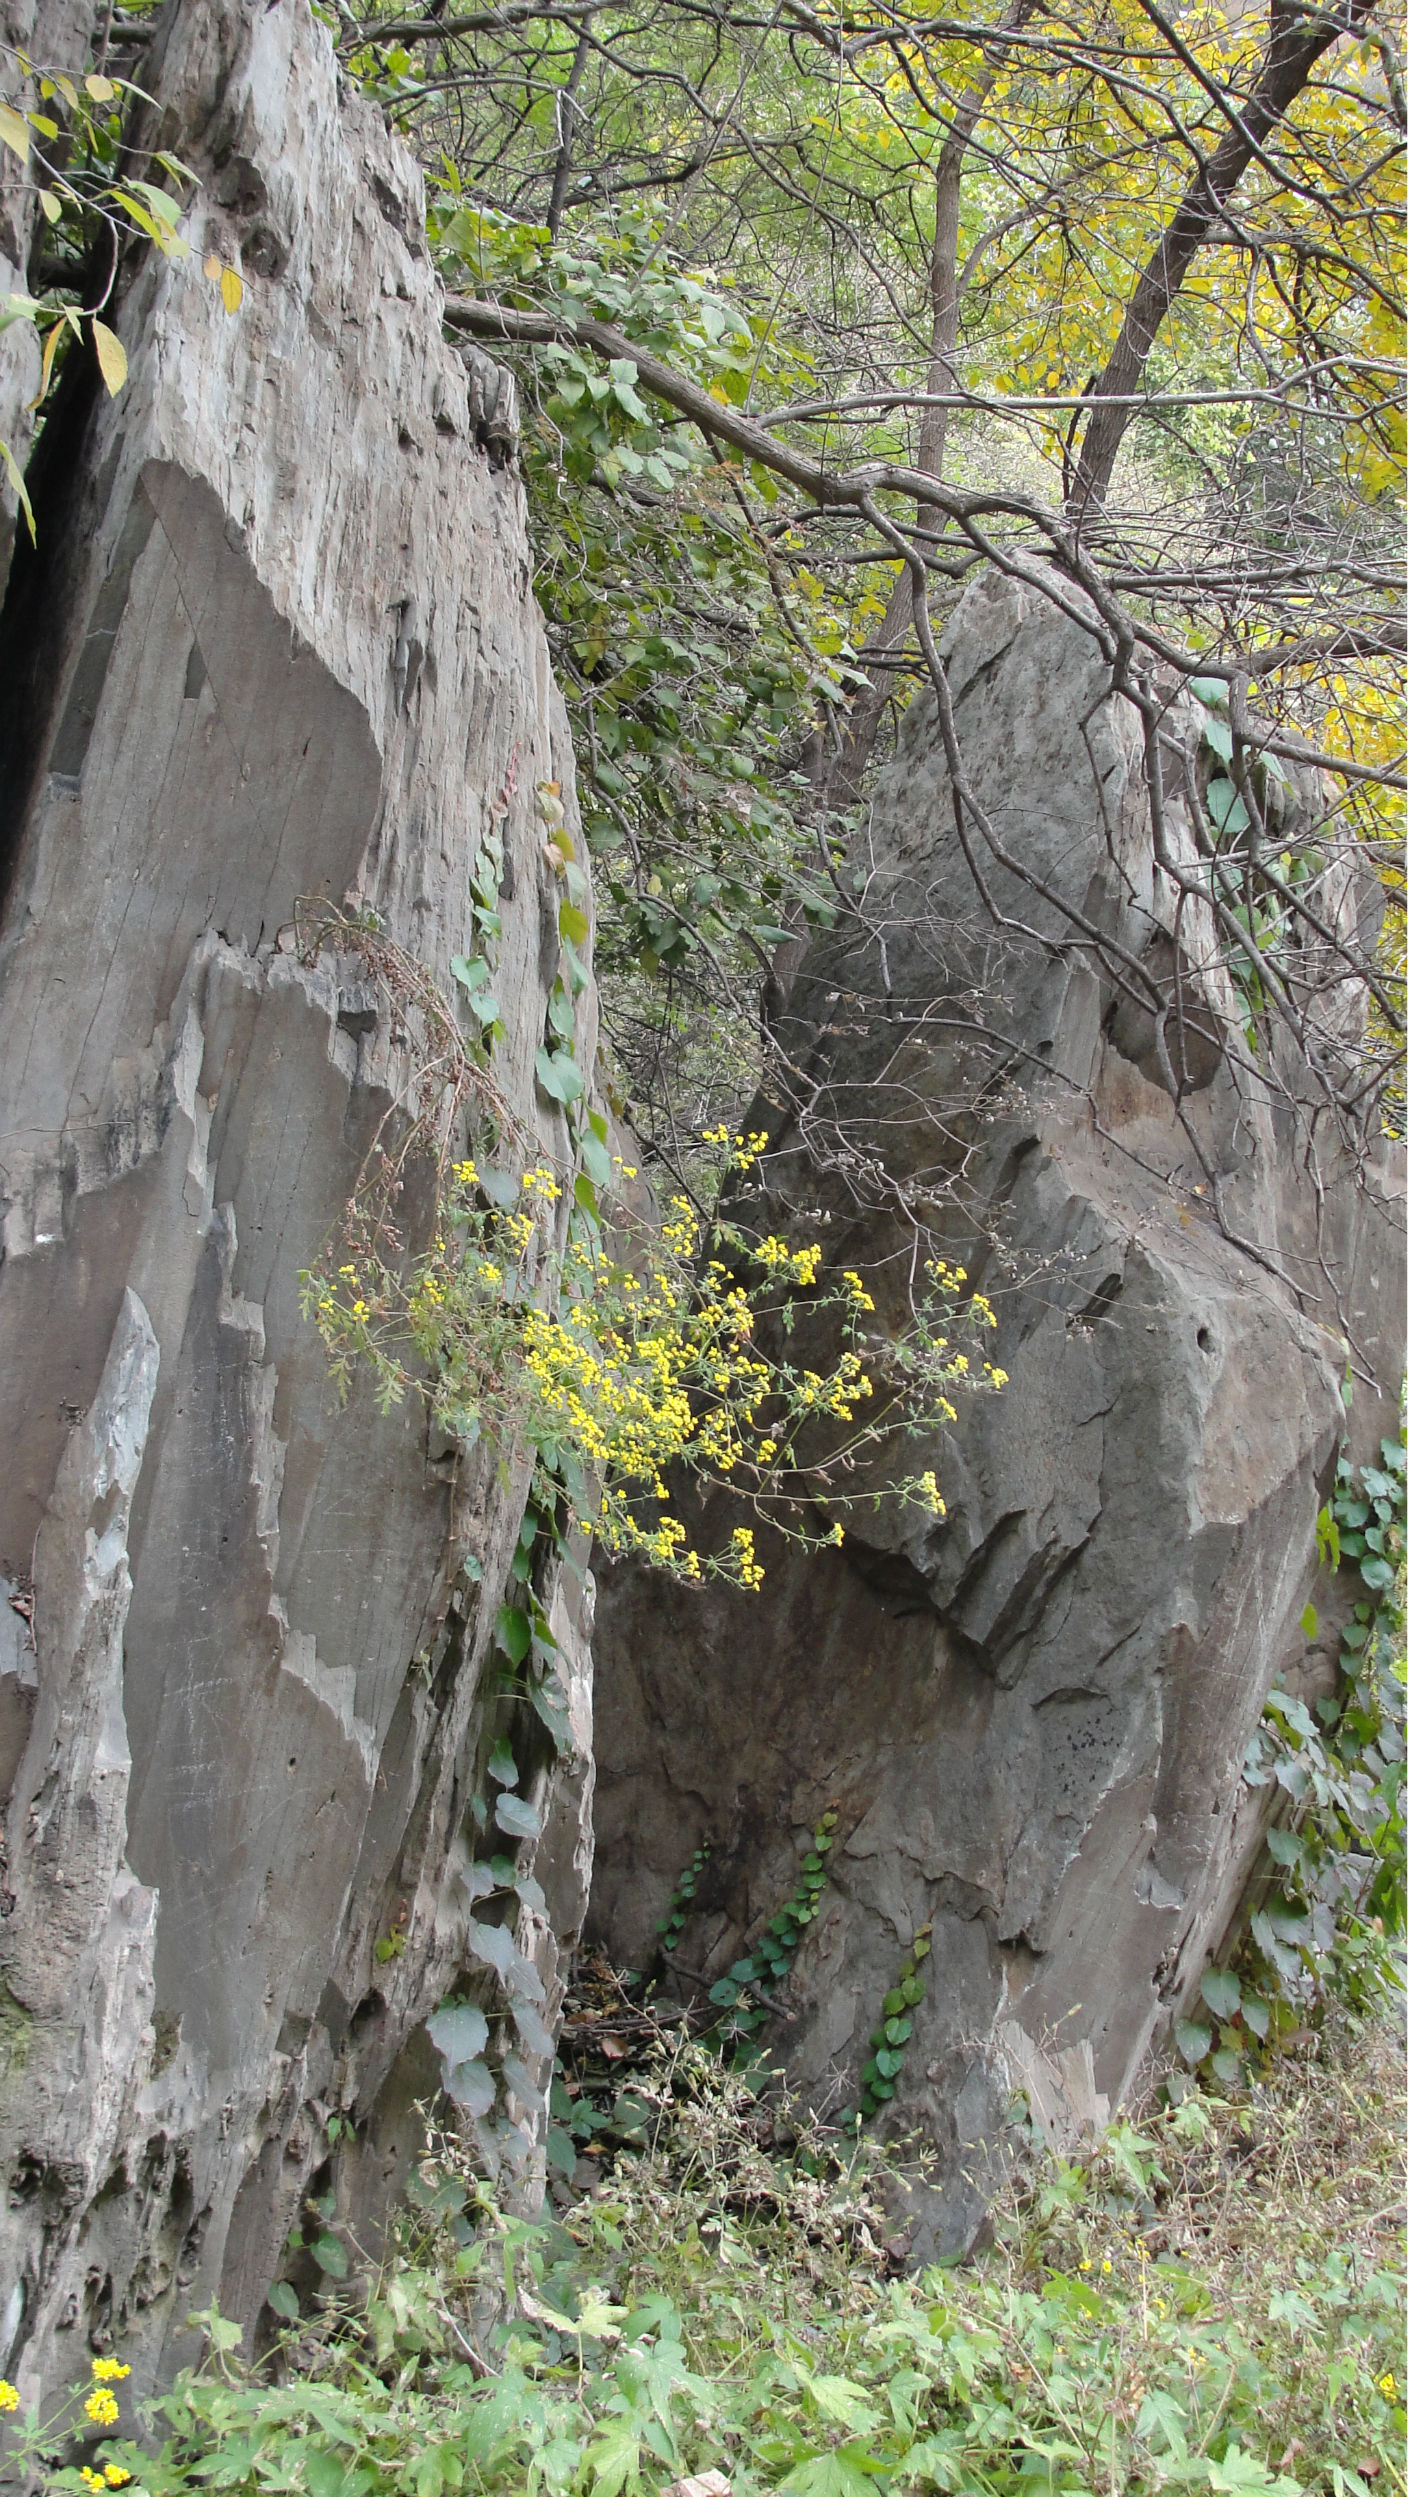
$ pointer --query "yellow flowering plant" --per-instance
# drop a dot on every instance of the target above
(92, 2405)
(519, 1322)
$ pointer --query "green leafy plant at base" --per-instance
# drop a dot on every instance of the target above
(1332, 1917)
(742, 1995)
(1210, 2301)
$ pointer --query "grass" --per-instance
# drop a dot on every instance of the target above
(1213, 2301)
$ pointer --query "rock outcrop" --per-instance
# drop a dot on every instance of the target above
(277, 649)
(1030, 1718)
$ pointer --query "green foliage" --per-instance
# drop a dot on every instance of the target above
(67, 136)
(1331, 1913)
(677, 1914)
(691, 662)
(887, 2042)
(1205, 2304)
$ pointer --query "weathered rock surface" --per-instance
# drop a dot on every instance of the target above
(1030, 1718)
(277, 646)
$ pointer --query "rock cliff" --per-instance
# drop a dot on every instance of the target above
(280, 741)
(1029, 1718)
(277, 650)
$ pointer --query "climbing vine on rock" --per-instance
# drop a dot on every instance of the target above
(1335, 1880)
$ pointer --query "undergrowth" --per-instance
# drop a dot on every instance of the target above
(1211, 2301)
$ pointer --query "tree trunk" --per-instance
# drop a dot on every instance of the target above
(1295, 45)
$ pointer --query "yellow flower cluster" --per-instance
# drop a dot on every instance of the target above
(101, 2407)
(743, 1151)
(778, 1258)
(617, 1375)
(111, 2475)
(749, 1570)
(9, 2398)
(109, 2371)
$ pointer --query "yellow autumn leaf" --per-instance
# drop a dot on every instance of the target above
(231, 289)
(50, 344)
(101, 89)
(112, 356)
(211, 267)
(14, 132)
(17, 481)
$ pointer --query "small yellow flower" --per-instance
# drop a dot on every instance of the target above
(9, 2398)
(109, 2371)
(115, 2476)
(1388, 2386)
(1107, 2265)
(928, 1484)
(101, 2407)
(1085, 2262)
(359, 1309)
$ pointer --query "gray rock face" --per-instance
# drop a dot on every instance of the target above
(1031, 1717)
(278, 647)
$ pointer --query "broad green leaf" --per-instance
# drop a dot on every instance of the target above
(1194, 2041)
(514, 1632)
(558, 1076)
(471, 2086)
(459, 2032)
(517, 1817)
(1221, 1992)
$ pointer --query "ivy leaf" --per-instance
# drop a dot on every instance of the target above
(459, 2032)
(1221, 1992)
(517, 1817)
(559, 1078)
(329, 2256)
(502, 1766)
(514, 1632)
(1285, 1846)
(530, 2028)
(1193, 2040)
(471, 2086)
(521, 2081)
